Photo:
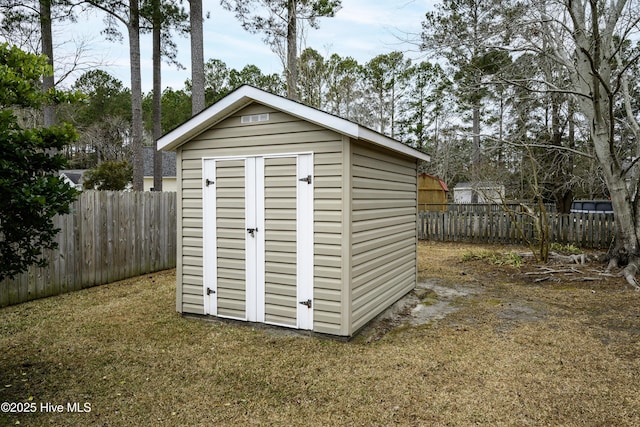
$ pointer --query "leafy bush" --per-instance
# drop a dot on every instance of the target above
(565, 249)
(113, 176)
(31, 191)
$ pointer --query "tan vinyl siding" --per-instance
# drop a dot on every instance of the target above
(328, 240)
(190, 233)
(230, 238)
(180, 277)
(280, 241)
(281, 134)
(383, 233)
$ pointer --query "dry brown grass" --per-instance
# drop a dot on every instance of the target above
(515, 353)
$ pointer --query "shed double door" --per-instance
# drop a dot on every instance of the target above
(258, 239)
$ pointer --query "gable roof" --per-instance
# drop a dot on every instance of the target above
(246, 95)
(168, 162)
(73, 175)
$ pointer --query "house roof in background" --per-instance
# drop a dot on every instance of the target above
(168, 162)
(246, 95)
(74, 175)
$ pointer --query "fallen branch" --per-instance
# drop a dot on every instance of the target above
(572, 259)
(547, 270)
(525, 254)
(607, 274)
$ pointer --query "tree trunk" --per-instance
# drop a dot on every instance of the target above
(393, 106)
(292, 50)
(157, 96)
(559, 161)
(48, 81)
(475, 152)
(476, 105)
(381, 108)
(626, 247)
(197, 57)
(564, 193)
(592, 69)
(136, 95)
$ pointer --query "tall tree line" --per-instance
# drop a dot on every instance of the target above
(135, 15)
(532, 93)
(469, 103)
(283, 25)
(555, 82)
(475, 100)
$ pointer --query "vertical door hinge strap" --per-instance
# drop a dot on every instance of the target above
(307, 303)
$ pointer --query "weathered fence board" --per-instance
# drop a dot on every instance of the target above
(108, 236)
(580, 229)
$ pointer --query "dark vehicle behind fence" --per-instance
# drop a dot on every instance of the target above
(592, 206)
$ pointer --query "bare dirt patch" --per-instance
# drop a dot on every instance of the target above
(464, 285)
(430, 301)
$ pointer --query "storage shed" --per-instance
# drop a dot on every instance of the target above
(487, 192)
(291, 216)
(432, 193)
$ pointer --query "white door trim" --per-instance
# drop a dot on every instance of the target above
(254, 241)
(304, 232)
(260, 255)
(250, 239)
(255, 245)
(209, 247)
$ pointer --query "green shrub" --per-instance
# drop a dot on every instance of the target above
(113, 176)
(565, 249)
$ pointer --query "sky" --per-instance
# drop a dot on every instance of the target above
(362, 29)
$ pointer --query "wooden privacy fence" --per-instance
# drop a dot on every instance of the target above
(580, 229)
(478, 208)
(108, 236)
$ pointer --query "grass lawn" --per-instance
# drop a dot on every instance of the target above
(516, 352)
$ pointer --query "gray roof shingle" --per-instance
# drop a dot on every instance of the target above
(168, 162)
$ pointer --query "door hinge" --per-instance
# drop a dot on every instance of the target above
(307, 303)
(306, 179)
(210, 291)
(208, 182)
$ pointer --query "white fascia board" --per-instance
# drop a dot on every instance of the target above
(247, 94)
(392, 144)
(239, 99)
(200, 122)
(304, 112)
(340, 125)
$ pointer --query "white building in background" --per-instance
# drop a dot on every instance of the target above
(73, 177)
(488, 192)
